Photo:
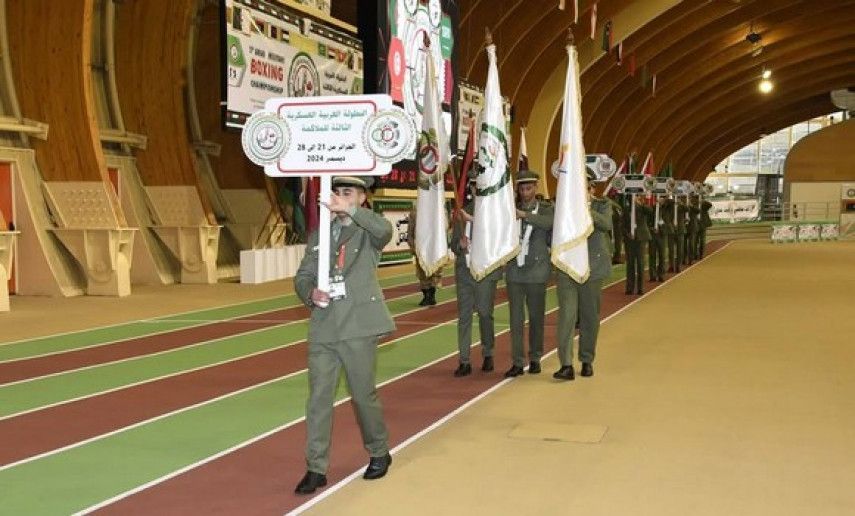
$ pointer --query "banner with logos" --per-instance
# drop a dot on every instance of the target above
(274, 52)
(734, 210)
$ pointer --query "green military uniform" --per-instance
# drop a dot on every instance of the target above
(617, 231)
(473, 296)
(656, 249)
(582, 300)
(427, 284)
(682, 211)
(635, 245)
(705, 222)
(346, 332)
(692, 230)
(527, 274)
(669, 229)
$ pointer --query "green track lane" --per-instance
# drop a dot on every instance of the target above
(70, 341)
(31, 395)
(79, 478)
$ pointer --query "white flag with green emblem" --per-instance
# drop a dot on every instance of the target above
(572, 215)
(495, 229)
(433, 156)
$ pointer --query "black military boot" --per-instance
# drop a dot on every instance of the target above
(431, 296)
(425, 298)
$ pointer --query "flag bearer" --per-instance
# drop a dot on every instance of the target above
(582, 300)
(428, 284)
(472, 295)
(527, 274)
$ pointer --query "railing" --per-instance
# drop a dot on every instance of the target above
(801, 211)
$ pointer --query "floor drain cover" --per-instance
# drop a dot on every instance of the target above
(559, 433)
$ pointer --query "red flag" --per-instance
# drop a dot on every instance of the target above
(468, 158)
(310, 205)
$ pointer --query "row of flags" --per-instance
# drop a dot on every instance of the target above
(495, 230)
(608, 45)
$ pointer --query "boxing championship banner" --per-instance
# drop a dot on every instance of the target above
(273, 52)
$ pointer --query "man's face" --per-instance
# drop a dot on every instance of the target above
(527, 191)
(352, 195)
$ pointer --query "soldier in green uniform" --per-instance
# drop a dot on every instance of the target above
(636, 243)
(617, 229)
(705, 222)
(582, 300)
(345, 326)
(666, 211)
(428, 284)
(682, 211)
(692, 229)
(527, 274)
(472, 296)
(658, 238)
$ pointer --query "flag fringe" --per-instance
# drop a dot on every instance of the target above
(501, 262)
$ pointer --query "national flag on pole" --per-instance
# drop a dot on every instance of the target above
(607, 37)
(523, 162)
(434, 155)
(573, 221)
(495, 229)
(619, 53)
(594, 21)
(310, 204)
(466, 165)
(647, 168)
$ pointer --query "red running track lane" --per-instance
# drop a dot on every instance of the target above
(260, 478)
(74, 359)
(35, 433)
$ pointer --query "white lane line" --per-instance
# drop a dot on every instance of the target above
(208, 402)
(342, 483)
(275, 326)
(177, 373)
(282, 427)
(166, 319)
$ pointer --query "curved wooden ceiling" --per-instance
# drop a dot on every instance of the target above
(706, 104)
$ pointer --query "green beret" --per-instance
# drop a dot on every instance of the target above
(527, 176)
(364, 182)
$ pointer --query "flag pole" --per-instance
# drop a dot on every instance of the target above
(324, 237)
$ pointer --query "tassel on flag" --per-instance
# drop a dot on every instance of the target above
(607, 37)
(632, 65)
(594, 22)
(619, 53)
